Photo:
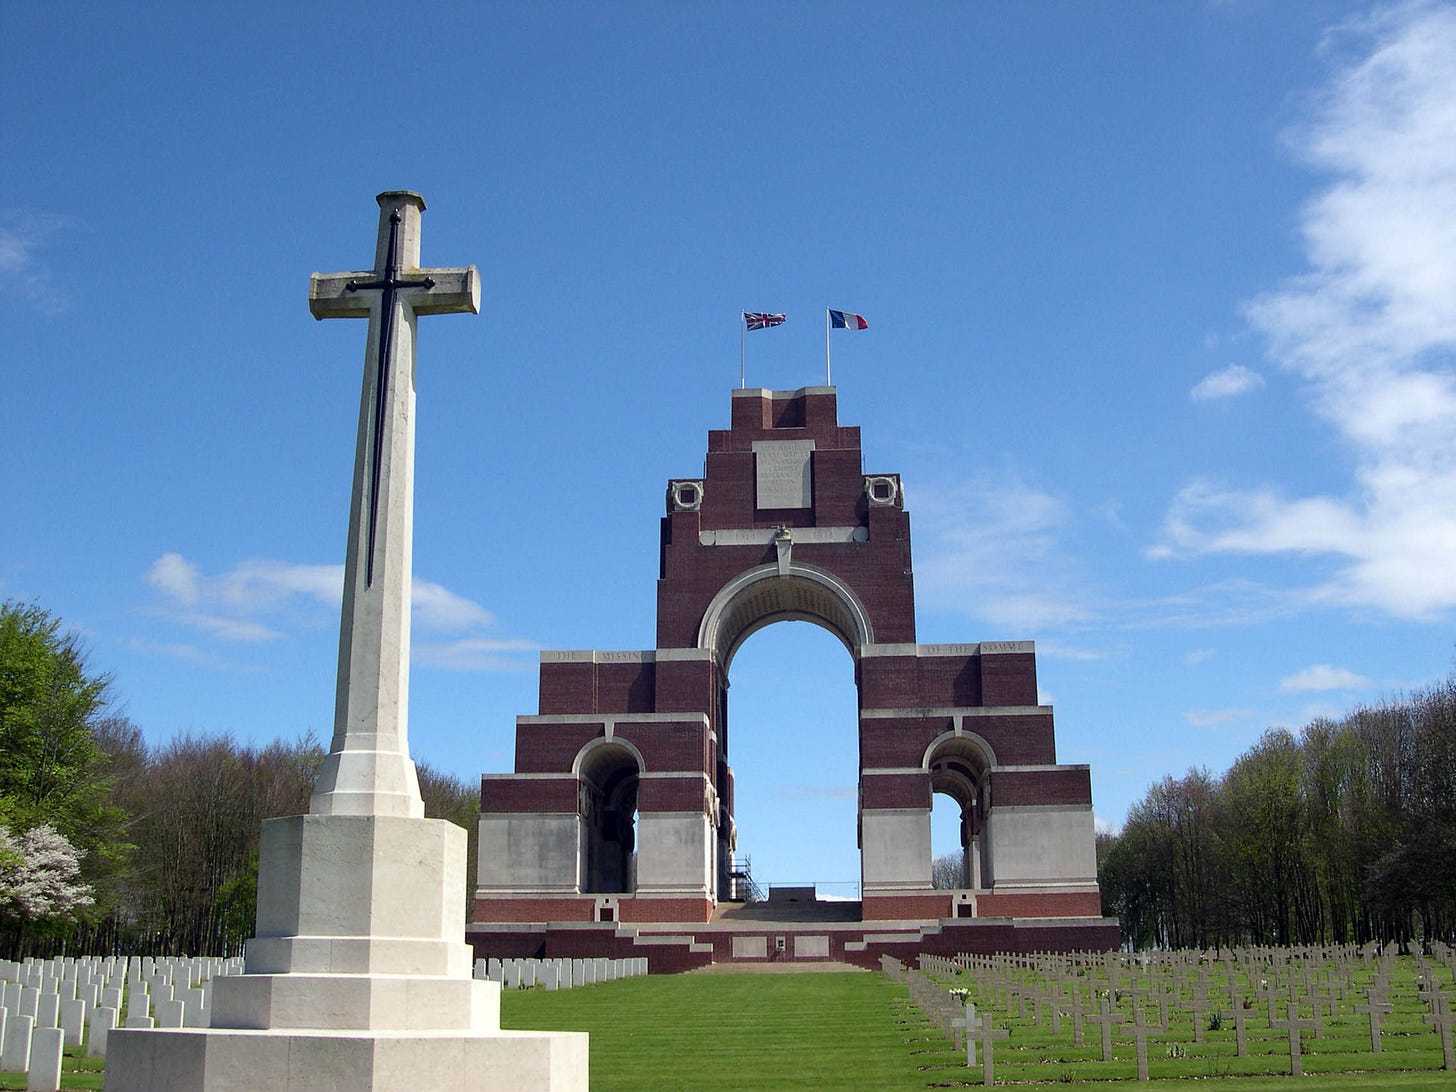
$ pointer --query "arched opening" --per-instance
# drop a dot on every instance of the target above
(792, 753)
(608, 773)
(947, 843)
(957, 766)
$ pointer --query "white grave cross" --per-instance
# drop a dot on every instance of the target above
(368, 770)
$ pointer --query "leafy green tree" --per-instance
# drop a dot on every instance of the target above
(445, 796)
(53, 773)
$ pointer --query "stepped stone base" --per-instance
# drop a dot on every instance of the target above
(357, 979)
(316, 1061)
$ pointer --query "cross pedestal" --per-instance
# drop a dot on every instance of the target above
(358, 976)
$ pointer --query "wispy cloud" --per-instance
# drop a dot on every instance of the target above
(23, 269)
(1233, 380)
(1212, 718)
(261, 600)
(994, 548)
(1055, 650)
(1324, 677)
(1369, 327)
(476, 654)
(1195, 656)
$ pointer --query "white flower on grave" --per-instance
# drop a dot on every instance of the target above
(39, 873)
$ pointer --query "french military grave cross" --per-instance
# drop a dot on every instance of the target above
(368, 770)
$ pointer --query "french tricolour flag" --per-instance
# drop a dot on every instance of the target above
(844, 320)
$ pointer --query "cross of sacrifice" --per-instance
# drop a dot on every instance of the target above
(1293, 1026)
(367, 770)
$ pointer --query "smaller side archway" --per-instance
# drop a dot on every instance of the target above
(958, 764)
(608, 773)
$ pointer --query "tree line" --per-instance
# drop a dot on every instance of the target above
(1345, 832)
(110, 844)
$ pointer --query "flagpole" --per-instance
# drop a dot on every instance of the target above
(742, 326)
(827, 381)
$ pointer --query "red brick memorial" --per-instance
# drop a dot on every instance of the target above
(615, 834)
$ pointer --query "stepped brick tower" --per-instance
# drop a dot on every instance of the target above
(620, 809)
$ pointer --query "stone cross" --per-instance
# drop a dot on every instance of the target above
(1293, 1025)
(964, 1025)
(368, 770)
(1238, 1014)
(1077, 1011)
(1107, 1019)
(1442, 1019)
(1375, 1009)
(987, 1031)
(1141, 1030)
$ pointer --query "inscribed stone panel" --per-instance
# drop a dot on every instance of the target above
(750, 947)
(782, 473)
(811, 947)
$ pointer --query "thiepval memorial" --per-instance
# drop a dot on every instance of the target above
(615, 833)
(359, 976)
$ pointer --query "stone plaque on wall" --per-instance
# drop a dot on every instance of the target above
(783, 473)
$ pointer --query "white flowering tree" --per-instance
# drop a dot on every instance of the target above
(40, 874)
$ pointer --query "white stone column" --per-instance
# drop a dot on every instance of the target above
(368, 770)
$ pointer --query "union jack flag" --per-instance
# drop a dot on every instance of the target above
(762, 320)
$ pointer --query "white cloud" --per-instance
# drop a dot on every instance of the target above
(1324, 677)
(992, 547)
(1210, 718)
(1104, 826)
(1370, 329)
(476, 654)
(436, 607)
(1233, 380)
(22, 271)
(1055, 650)
(260, 600)
(173, 575)
(1194, 657)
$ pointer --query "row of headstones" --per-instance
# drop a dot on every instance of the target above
(949, 1010)
(558, 974)
(996, 980)
(50, 1004)
(1179, 980)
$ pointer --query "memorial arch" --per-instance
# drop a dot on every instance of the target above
(783, 524)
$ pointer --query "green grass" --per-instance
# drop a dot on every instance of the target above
(738, 1031)
(857, 1031)
(77, 1072)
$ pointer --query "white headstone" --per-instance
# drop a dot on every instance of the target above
(73, 1020)
(15, 1054)
(44, 1074)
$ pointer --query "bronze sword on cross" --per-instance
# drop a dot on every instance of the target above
(367, 770)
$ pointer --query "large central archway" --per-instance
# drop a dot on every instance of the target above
(783, 524)
(779, 593)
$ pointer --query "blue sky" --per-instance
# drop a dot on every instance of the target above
(1161, 342)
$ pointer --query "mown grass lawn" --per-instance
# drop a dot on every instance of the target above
(746, 1031)
(834, 1031)
(854, 1031)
